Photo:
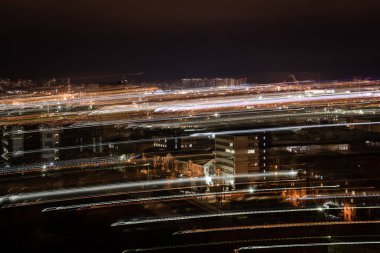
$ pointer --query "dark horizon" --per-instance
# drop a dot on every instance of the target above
(175, 39)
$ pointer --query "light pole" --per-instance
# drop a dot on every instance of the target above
(148, 172)
(148, 165)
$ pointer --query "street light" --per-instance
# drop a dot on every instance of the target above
(148, 168)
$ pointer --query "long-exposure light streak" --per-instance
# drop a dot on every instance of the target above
(139, 200)
(227, 214)
(337, 196)
(288, 128)
(274, 226)
(3, 200)
(318, 244)
(13, 198)
(193, 245)
(172, 198)
(263, 101)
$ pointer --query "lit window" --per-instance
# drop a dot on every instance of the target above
(251, 151)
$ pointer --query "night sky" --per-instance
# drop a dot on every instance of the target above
(169, 39)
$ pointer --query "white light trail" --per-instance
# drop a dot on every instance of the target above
(220, 104)
(91, 190)
(273, 226)
(65, 164)
(338, 196)
(171, 198)
(207, 134)
(206, 244)
(139, 200)
(307, 245)
(295, 188)
(288, 128)
(228, 214)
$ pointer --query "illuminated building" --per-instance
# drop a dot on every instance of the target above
(201, 82)
(177, 143)
(15, 142)
(241, 154)
(50, 141)
(307, 149)
(89, 143)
